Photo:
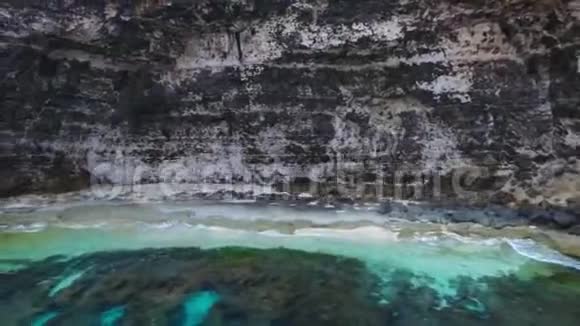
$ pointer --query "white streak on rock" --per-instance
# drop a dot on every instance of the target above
(457, 85)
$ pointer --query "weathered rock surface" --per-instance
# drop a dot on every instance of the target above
(354, 98)
(495, 216)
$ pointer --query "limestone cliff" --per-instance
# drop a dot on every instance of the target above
(355, 98)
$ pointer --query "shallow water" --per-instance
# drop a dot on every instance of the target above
(425, 279)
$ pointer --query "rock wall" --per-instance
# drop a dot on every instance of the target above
(414, 98)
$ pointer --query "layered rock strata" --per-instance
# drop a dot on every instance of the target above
(446, 100)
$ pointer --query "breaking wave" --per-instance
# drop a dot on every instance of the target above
(542, 253)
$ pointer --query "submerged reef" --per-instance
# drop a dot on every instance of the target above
(237, 286)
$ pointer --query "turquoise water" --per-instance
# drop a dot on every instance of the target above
(439, 259)
(425, 279)
(65, 282)
(44, 318)
(112, 316)
(197, 306)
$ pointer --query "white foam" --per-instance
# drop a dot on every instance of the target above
(29, 228)
(305, 195)
(273, 233)
(164, 225)
(18, 205)
(368, 233)
(539, 252)
(167, 225)
(82, 226)
(222, 229)
(239, 201)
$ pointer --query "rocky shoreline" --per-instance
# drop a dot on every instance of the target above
(566, 219)
(494, 216)
(555, 227)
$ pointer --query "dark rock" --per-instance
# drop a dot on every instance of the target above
(503, 198)
(575, 230)
(265, 92)
(564, 219)
(385, 208)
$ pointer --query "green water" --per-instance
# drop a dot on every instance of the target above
(440, 260)
(440, 277)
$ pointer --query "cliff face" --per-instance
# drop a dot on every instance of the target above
(332, 96)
